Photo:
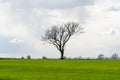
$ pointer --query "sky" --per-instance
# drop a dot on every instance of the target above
(22, 22)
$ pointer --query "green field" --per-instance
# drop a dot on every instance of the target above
(59, 69)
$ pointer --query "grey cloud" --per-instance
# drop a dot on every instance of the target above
(111, 32)
(23, 11)
(49, 4)
(23, 8)
(30, 14)
(115, 9)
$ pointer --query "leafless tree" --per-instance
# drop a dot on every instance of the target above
(101, 56)
(115, 56)
(59, 35)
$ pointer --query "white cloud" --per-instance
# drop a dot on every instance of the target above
(49, 4)
(111, 31)
(15, 41)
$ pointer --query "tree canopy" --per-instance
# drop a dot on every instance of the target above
(59, 35)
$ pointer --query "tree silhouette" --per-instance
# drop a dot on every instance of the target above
(115, 56)
(59, 35)
(101, 56)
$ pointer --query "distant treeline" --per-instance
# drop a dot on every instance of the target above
(8, 58)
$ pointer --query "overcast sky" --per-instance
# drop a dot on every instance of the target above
(22, 22)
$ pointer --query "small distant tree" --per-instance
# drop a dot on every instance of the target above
(44, 57)
(59, 35)
(28, 57)
(88, 58)
(22, 57)
(69, 58)
(101, 56)
(115, 56)
(107, 58)
(79, 57)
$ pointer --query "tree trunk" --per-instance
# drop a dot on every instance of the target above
(62, 54)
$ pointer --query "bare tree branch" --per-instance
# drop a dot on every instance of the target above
(59, 35)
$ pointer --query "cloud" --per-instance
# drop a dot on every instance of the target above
(7, 48)
(14, 41)
(49, 4)
(33, 12)
(20, 19)
(111, 32)
(115, 9)
(108, 5)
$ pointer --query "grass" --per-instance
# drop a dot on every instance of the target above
(59, 69)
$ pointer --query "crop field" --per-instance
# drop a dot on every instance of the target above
(59, 69)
